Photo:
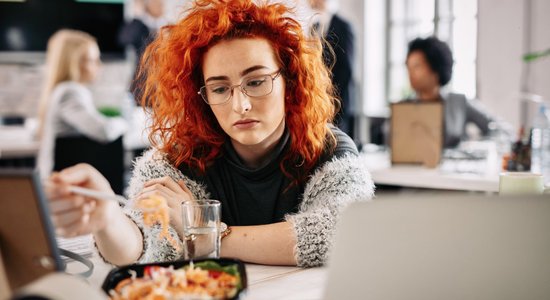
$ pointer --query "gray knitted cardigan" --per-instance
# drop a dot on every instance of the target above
(331, 188)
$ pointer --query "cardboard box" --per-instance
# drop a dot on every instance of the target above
(416, 133)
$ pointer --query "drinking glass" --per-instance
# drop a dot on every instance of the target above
(201, 223)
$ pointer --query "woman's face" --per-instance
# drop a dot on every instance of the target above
(90, 64)
(318, 5)
(155, 8)
(421, 76)
(248, 121)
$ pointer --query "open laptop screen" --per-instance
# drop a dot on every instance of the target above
(464, 246)
(27, 241)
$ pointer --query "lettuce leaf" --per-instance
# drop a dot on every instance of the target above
(214, 266)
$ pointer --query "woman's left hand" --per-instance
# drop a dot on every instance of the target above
(175, 194)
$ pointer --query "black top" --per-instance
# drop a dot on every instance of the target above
(259, 196)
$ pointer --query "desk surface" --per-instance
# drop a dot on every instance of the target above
(16, 142)
(264, 282)
(442, 177)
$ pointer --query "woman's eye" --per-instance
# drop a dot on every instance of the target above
(218, 89)
(255, 82)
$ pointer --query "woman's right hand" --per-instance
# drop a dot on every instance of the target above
(73, 214)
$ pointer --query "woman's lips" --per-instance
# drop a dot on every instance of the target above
(245, 124)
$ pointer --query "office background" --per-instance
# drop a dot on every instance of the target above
(503, 31)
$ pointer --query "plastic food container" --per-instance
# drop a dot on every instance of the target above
(118, 274)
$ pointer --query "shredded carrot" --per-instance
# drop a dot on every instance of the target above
(155, 211)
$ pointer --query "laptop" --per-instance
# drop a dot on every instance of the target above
(444, 247)
(28, 249)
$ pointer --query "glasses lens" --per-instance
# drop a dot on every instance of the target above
(258, 86)
(216, 93)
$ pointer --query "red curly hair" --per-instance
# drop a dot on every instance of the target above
(184, 126)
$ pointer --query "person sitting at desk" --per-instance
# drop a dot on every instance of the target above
(242, 106)
(430, 67)
(72, 129)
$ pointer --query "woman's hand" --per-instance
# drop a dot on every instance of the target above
(175, 194)
(75, 215)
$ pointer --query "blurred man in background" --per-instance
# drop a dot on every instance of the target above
(140, 31)
(338, 34)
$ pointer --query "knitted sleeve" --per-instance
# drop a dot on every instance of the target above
(153, 165)
(330, 189)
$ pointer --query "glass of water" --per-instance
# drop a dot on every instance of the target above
(201, 223)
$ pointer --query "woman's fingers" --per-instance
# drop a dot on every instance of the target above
(184, 187)
(82, 227)
(165, 182)
(74, 222)
(61, 205)
(67, 218)
(172, 191)
(154, 193)
(153, 188)
(83, 175)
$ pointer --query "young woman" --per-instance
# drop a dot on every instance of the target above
(241, 106)
(67, 113)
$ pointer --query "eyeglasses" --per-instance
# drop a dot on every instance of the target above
(254, 86)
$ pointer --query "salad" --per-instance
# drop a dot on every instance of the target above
(203, 280)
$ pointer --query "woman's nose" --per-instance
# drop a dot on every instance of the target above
(241, 102)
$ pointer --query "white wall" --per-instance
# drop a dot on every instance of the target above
(507, 30)
(540, 40)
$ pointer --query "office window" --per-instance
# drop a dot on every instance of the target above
(452, 21)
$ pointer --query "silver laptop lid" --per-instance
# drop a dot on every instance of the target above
(444, 247)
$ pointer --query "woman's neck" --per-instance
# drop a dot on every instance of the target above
(255, 156)
(429, 94)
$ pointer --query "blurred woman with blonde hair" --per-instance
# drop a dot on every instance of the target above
(68, 118)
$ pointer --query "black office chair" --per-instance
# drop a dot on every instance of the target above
(107, 158)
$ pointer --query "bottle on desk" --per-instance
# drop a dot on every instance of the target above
(540, 143)
(520, 156)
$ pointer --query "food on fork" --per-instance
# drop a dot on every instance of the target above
(155, 211)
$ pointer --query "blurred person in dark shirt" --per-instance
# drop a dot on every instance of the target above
(430, 67)
(338, 55)
(140, 31)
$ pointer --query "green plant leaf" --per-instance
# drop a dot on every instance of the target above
(529, 57)
(109, 111)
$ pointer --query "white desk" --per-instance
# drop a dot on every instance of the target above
(270, 282)
(19, 141)
(264, 282)
(418, 176)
